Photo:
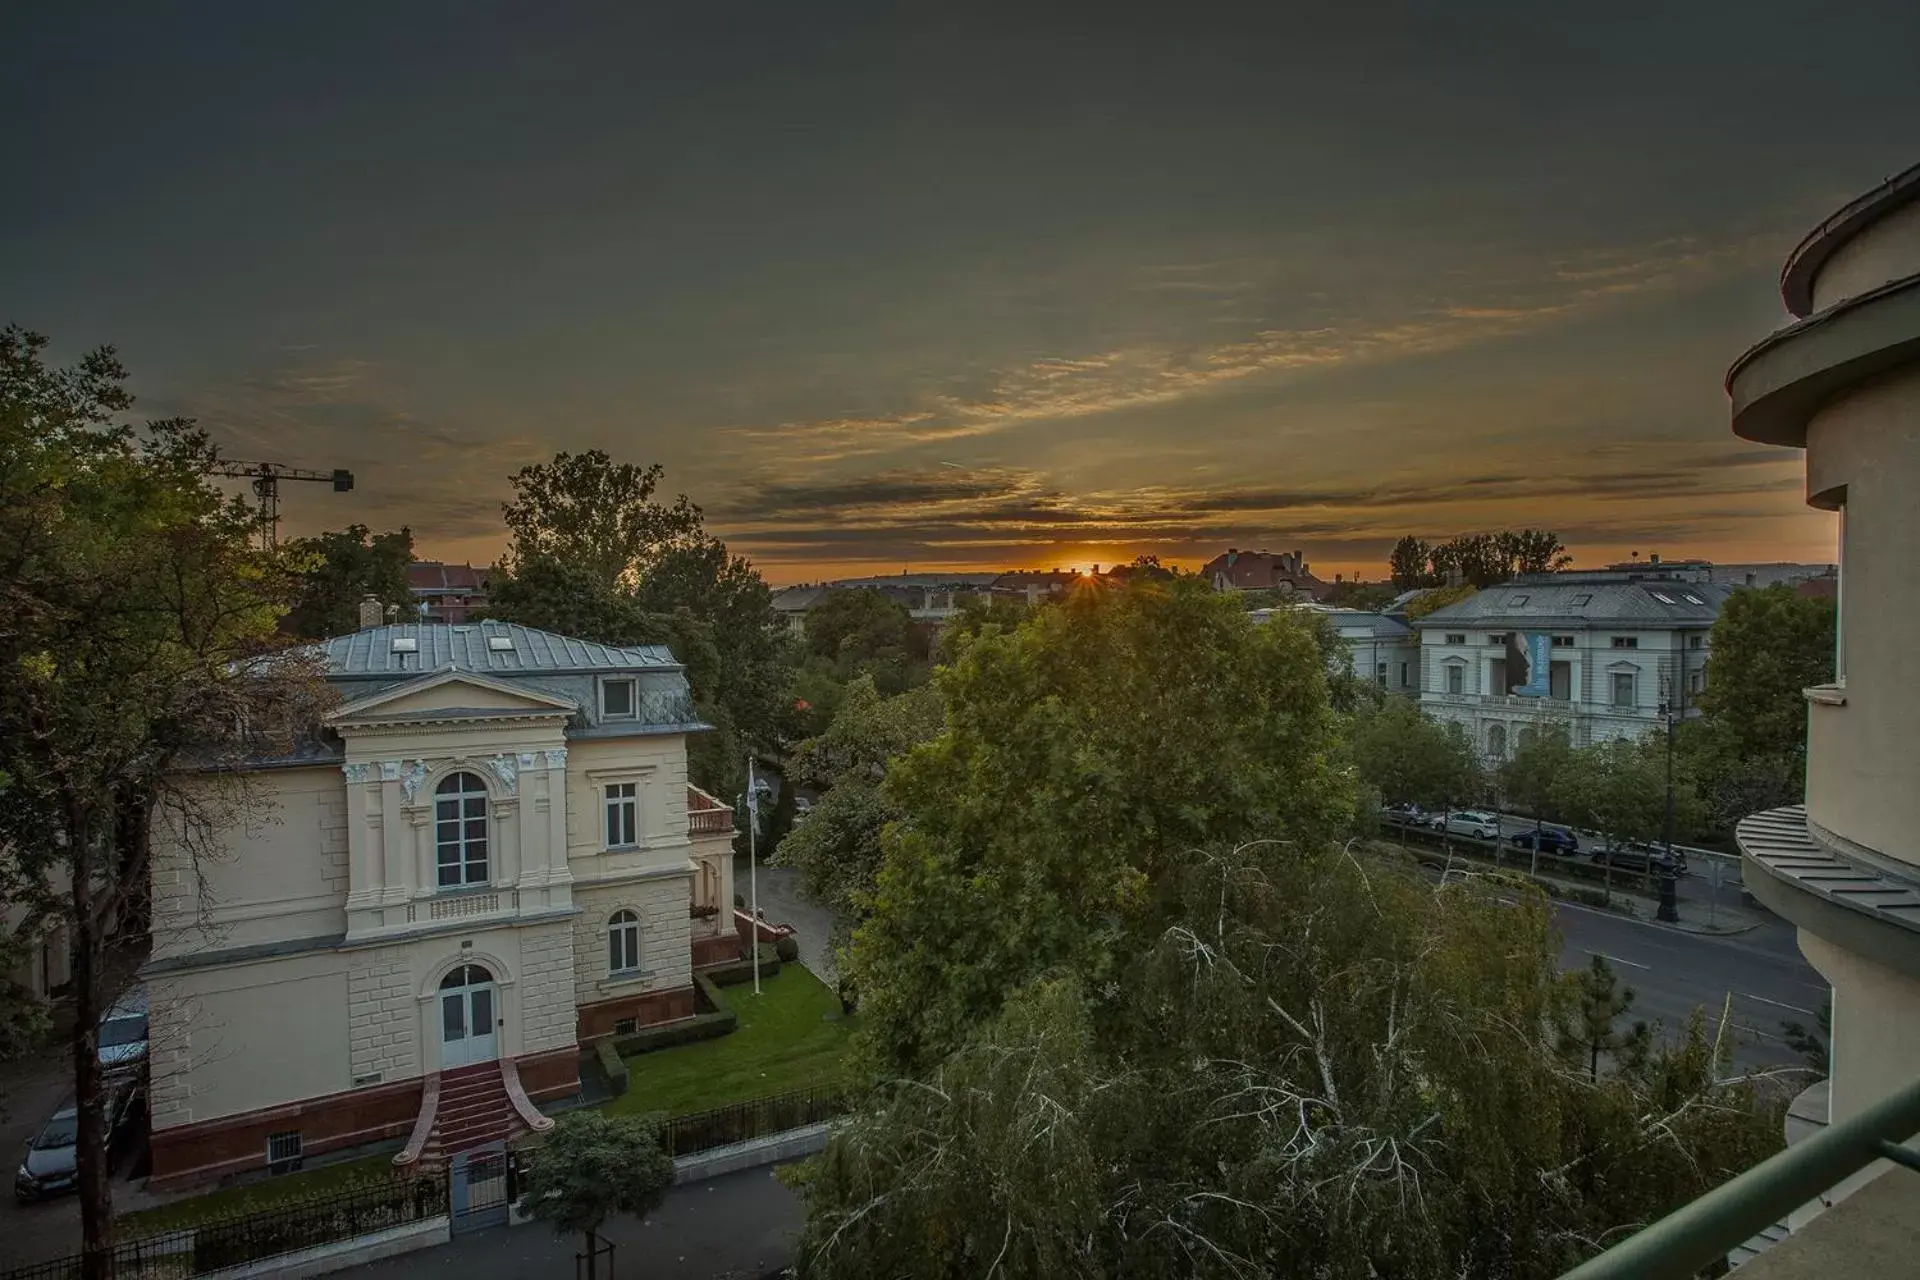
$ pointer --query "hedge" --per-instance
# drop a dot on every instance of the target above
(735, 972)
(612, 1064)
(716, 1020)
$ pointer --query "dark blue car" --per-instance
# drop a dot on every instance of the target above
(1552, 840)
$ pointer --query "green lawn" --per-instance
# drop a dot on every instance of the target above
(253, 1197)
(784, 1041)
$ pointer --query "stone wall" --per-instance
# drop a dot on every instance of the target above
(382, 1012)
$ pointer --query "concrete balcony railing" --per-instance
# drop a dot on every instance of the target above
(707, 815)
(463, 906)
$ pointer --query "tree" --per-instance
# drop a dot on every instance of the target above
(1408, 757)
(1593, 1026)
(141, 637)
(858, 623)
(1410, 563)
(1527, 778)
(1079, 750)
(338, 569)
(1768, 645)
(598, 515)
(594, 555)
(838, 848)
(1319, 1065)
(591, 1166)
(1369, 596)
(1619, 789)
(1532, 551)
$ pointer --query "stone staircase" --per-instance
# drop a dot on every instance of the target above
(465, 1109)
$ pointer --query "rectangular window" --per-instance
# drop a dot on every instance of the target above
(1560, 681)
(1695, 642)
(1696, 681)
(1516, 602)
(1403, 675)
(283, 1151)
(622, 803)
(1623, 688)
(460, 839)
(1380, 674)
(1662, 597)
(1626, 642)
(1456, 637)
(616, 700)
(1455, 679)
(1563, 642)
(1584, 598)
(1496, 637)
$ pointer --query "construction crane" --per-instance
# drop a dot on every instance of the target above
(266, 477)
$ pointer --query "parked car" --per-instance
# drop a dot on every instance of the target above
(1638, 856)
(1551, 840)
(47, 1168)
(1405, 815)
(123, 1034)
(1472, 822)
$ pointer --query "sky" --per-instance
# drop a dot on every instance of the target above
(975, 286)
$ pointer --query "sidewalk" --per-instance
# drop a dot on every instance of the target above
(740, 1227)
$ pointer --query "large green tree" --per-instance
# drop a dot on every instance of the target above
(594, 554)
(838, 848)
(1619, 789)
(140, 637)
(1769, 644)
(1407, 757)
(1321, 1065)
(1528, 776)
(592, 1166)
(337, 569)
(1081, 750)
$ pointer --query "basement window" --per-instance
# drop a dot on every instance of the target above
(283, 1152)
(626, 1026)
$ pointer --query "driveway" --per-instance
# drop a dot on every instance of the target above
(783, 901)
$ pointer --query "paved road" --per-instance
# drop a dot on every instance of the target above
(1672, 973)
(742, 1225)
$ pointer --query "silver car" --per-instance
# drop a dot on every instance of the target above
(123, 1034)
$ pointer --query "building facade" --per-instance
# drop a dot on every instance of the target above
(1381, 649)
(1843, 384)
(1237, 570)
(447, 592)
(489, 853)
(1621, 645)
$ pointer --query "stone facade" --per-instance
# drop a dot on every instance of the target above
(435, 894)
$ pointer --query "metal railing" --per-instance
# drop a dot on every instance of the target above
(288, 1227)
(1701, 1233)
(757, 1118)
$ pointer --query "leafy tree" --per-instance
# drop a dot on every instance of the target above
(591, 1166)
(141, 637)
(1527, 778)
(1619, 789)
(594, 555)
(1081, 749)
(838, 848)
(975, 615)
(1593, 1027)
(1370, 596)
(1142, 568)
(1768, 645)
(1408, 757)
(859, 623)
(601, 516)
(1410, 563)
(1531, 551)
(338, 569)
(1320, 1065)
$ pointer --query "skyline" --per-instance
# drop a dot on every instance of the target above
(964, 293)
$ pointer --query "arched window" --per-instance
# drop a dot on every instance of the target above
(460, 830)
(623, 942)
(1497, 741)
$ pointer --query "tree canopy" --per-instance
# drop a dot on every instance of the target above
(1079, 751)
(1769, 643)
(1407, 757)
(1480, 559)
(591, 1166)
(337, 569)
(596, 514)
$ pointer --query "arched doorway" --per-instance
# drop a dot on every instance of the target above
(1497, 741)
(469, 1016)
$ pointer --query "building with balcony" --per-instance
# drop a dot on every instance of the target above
(1843, 383)
(487, 853)
(1620, 644)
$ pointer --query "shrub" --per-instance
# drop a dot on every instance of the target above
(736, 972)
(612, 1064)
(711, 1022)
(787, 948)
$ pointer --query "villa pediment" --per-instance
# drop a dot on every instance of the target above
(451, 696)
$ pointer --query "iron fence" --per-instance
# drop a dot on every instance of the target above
(755, 1118)
(286, 1228)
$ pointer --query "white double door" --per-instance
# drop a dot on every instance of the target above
(469, 1017)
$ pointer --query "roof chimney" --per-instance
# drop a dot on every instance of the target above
(1653, 557)
(371, 614)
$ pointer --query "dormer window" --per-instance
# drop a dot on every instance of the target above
(405, 644)
(1516, 602)
(500, 644)
(1582, 599)
(617, 700)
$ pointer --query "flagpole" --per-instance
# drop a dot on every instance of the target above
(753, 869)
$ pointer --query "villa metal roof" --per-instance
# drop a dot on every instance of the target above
(1646, 602)
(467, 647)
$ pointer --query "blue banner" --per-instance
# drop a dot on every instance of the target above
(1539, 667)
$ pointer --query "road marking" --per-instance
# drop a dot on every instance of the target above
(1620, 960)
(1778, 1004)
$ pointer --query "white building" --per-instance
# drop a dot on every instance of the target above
(1379, 648)
(488, 854)
(1620, 645)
